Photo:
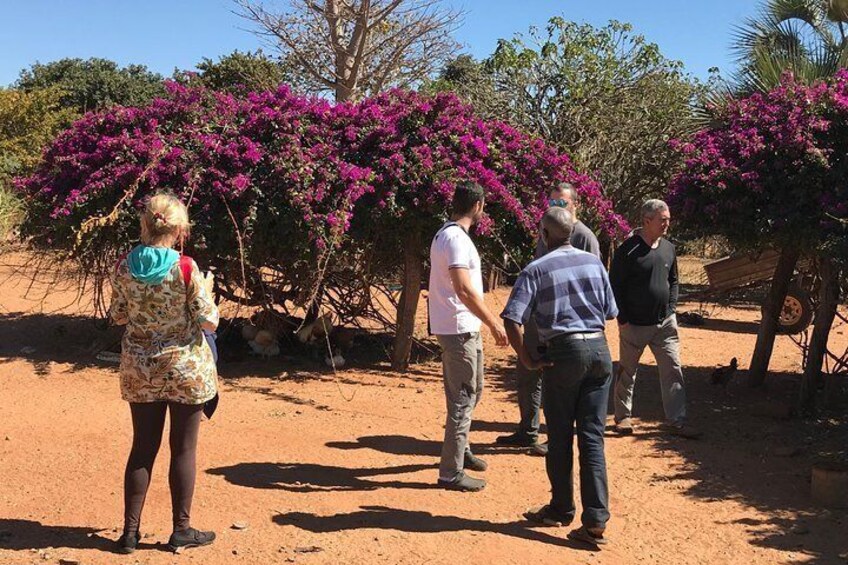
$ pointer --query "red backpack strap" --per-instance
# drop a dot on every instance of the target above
(185, 268)
(120, 260)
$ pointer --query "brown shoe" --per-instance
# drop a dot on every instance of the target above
(624, 427)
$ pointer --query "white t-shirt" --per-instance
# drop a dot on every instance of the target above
(452, 248)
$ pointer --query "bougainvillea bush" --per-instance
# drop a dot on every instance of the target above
(282, 187)
(772, 170)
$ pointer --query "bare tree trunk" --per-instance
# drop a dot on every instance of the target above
(408, 304)
(607, 246)
(825, 312)
(833, 382)
(771, 312)
(493, 278)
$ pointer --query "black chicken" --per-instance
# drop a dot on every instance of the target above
(723, 375)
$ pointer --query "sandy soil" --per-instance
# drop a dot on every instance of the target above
(340, 468)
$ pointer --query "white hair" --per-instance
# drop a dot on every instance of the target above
(652, 207)
(558, 222)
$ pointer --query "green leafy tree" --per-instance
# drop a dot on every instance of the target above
(239, 71)
(93, 84)
(28, 122)
(605, 95)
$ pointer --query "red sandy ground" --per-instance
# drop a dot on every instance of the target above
(320, 477)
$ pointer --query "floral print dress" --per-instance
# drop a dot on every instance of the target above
(164, 355)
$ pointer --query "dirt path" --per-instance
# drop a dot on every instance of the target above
(323, 478)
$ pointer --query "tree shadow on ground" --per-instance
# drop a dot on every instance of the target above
(746, 298)
(408, 445)
(43, 339)
(311, 477)
(21, 535)
(413, 521)
(727, 326)
(503, 379)
(754, 452)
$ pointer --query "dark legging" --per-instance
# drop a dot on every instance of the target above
(148, 422)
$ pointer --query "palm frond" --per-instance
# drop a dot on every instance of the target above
(788, 35)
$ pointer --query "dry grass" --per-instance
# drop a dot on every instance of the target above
(11, 211)
(690, 270)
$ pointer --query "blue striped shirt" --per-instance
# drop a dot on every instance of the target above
(566, 291)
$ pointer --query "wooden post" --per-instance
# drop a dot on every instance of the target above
(771, 312)
(408, 303)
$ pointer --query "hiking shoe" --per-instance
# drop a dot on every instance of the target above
(190, 538)
(539, 449)
(517, 439)
(682, 430)
(128, 542)
(624, 427)
(463, 483)
(474, 463)
(547, 516)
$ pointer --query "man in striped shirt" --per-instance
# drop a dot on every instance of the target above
(568, 295)
(530, 382)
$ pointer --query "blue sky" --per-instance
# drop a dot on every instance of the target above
(179, 33)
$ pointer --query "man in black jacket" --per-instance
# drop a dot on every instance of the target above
(644, 281)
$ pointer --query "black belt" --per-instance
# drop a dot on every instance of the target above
(581, 336)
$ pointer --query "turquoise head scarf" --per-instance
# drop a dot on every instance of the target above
(151, 265)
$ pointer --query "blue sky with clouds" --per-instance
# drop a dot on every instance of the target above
(178, 33)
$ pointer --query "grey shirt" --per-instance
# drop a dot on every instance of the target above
(581, 238)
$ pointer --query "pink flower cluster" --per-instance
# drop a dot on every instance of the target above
(771, 169)
(295, 172)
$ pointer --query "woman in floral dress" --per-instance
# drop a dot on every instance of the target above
(166, 364)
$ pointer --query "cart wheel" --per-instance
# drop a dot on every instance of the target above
(797, 312)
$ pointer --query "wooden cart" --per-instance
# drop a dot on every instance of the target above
(739, 270)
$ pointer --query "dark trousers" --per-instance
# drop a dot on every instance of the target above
(148, 423)
(529, 386)
(576, 393)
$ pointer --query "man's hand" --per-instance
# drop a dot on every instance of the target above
(499, 334)
(516, 339)
(532, 364)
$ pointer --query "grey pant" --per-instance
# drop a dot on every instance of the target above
(462, 369)
(665, 345)
(529, 386)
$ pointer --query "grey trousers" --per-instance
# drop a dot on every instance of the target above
(529, 386)
(462, 370)
(664, 343)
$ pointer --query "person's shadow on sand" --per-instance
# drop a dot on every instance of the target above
(19, 535)
(312, 477)
(416, 521)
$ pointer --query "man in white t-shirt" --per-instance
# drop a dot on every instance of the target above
(457, 311)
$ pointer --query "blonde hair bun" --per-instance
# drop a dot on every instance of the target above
(164, 218)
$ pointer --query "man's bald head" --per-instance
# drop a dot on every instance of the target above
(557, 225)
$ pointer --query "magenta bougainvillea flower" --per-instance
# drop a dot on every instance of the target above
(771, 170)
(277, 176)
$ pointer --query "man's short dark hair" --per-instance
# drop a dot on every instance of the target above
(466, 195)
